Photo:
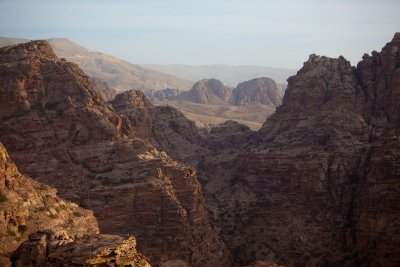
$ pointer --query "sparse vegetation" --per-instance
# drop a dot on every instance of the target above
(3, 197)
(40, 209)
(77, 214)
(22, 228)
(43, 187)
(92, 186)
(11, 233)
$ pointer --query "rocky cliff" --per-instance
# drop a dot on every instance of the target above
(257, 91)
(164, 126)
(28, 206)
(207, 91)
(60, 131)
(318, 185)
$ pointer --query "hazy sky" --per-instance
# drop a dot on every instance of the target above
(278, 33)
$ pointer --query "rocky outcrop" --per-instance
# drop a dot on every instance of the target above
(164, 126)
(207, 91)
(47, 249)
(163, 95)
(257, 91)
(262, 91)
(27, 206)
(60, 131)
(319, 183)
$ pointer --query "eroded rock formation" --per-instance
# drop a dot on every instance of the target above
(318, 185)
(27, 206)
(257, 91)
(60, 131)
(208, 91)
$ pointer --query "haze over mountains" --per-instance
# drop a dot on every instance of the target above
(111, 75)
(121, 75)
(210, 102)
(229, 75)
(118, 74)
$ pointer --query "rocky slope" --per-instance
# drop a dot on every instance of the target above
(60, 131)
(118, 74)
(319, 183)
(257, 91)
(165, 127)
(27, 206)
(48, 248)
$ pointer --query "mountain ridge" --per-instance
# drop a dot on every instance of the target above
(117, 73)
(228, 74)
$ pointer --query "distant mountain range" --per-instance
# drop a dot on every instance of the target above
(210, 102)
(118, 74)
(262, 91)
(230, 75)
(121, 75)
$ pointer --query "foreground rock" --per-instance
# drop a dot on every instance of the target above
(60, 131)
(46, 248)
(27, 206)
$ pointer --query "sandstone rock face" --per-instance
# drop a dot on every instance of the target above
(47, 249)
(211, 91)
(103, 89)
(257, 91)
(318, 185)
(208, 91)
(164, 126)
(27, 206)
(59, 130)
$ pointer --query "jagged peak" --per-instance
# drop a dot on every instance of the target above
(316, 61)
(208, 82)
(32, 49)
(396, 37)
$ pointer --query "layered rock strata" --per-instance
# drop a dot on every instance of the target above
(257, 91)
(318, 185)
(60, 131)
(27, 206)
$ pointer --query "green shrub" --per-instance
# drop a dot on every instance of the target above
(92, 186)
(77, 214)
(11, 233)
(3, 197)
(22, 228)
